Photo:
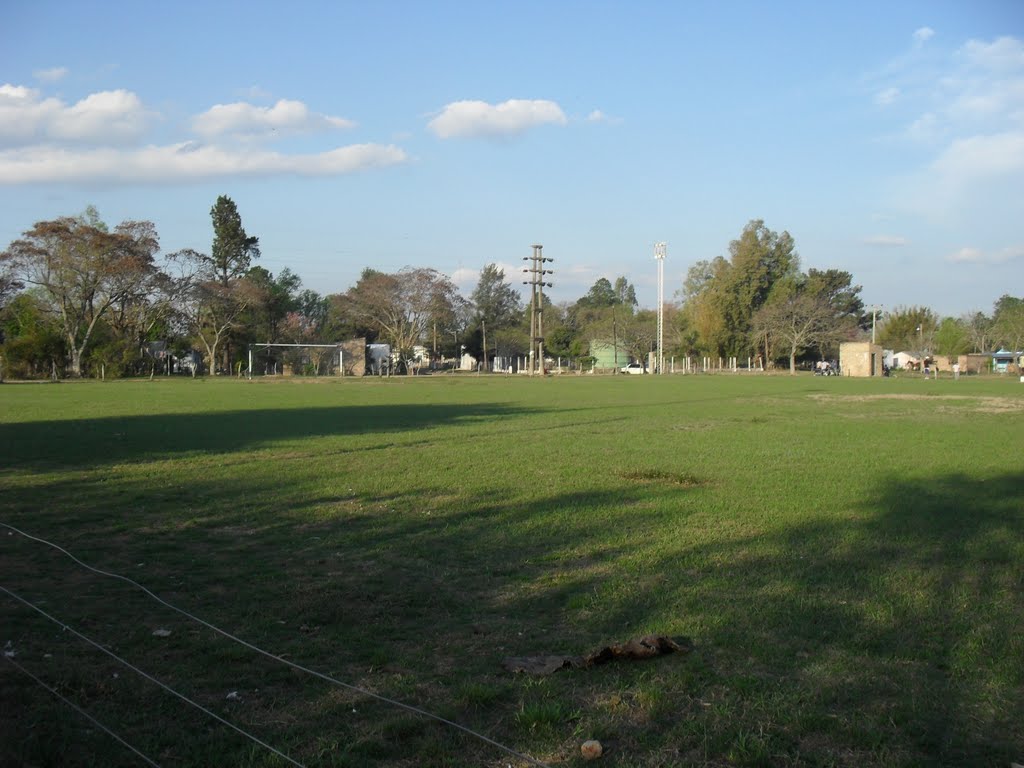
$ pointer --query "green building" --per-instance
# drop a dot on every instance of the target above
(604, 355)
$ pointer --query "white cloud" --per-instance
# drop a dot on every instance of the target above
(969, 255)
(923, 34)
(103, 118)
(977, 256)
(887, 96)
(886, 241)
(51, 75)
(982, 156)
(99, 139)
(1002, 54)
(1010, 254)
(286, 117)
(184, 162)
(466, 279)
(474, 119)
(965, 111)
(597, 116)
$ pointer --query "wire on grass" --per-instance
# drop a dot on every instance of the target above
(292, 664)
(84, 714)
(149, 677)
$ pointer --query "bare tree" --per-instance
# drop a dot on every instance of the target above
(83, 269)
(796, 321)
(207, 306)
(400, 306)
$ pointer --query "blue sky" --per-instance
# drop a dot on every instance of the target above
(887, 138)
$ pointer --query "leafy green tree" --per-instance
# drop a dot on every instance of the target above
(606, 313)
(1006, 303)
(910, 329)
(233, 250)
(835, 287)
(312, 308)
(498, 306)
(703, 313)
(601, 294)
(951, 337)
(759, 260)
(33, 345)
(721, 296)
(274, 299)
(495, 300)
(1008, 323)
(625, 293)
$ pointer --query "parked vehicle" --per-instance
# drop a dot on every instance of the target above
(633, 368)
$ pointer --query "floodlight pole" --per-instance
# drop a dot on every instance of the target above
(659, 256)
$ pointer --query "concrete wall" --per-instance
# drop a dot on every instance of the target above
(860, 358)
(353, 357)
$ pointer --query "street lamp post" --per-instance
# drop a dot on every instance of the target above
(875, 309)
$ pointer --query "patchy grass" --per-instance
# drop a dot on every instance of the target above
(845, 555)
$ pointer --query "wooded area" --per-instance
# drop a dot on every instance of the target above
(80, 299)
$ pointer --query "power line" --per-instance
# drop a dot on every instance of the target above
(149, 677)
(83, 713)
(286, 662)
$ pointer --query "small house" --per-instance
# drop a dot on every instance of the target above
(860, 358)
(1004, 361)
(606, 357)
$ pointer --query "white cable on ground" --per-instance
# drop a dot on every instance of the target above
(292, 664)
(83, 713)
(149, 677)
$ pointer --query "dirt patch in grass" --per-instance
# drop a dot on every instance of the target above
(682, 480)
(980, 404)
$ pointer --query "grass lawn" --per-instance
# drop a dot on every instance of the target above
(846, 556)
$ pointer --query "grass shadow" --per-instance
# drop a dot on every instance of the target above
(889, 635)
(41, 445)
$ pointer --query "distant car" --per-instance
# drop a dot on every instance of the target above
(633, 368)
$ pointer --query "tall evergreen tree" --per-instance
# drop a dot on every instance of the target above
(233, 250)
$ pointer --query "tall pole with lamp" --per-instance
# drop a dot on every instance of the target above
(659, 256)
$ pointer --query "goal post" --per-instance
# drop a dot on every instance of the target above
(281, 359)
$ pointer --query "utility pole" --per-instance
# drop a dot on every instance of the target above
(659, 256)
(537, 283)
(875, 309)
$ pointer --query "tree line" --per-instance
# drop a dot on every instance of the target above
(78, 298)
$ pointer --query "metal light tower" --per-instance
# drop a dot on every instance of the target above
(537, 282)
(659, 256)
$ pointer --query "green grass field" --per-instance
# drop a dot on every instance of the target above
(846, 556)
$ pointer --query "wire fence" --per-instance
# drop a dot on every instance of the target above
(254, 648)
